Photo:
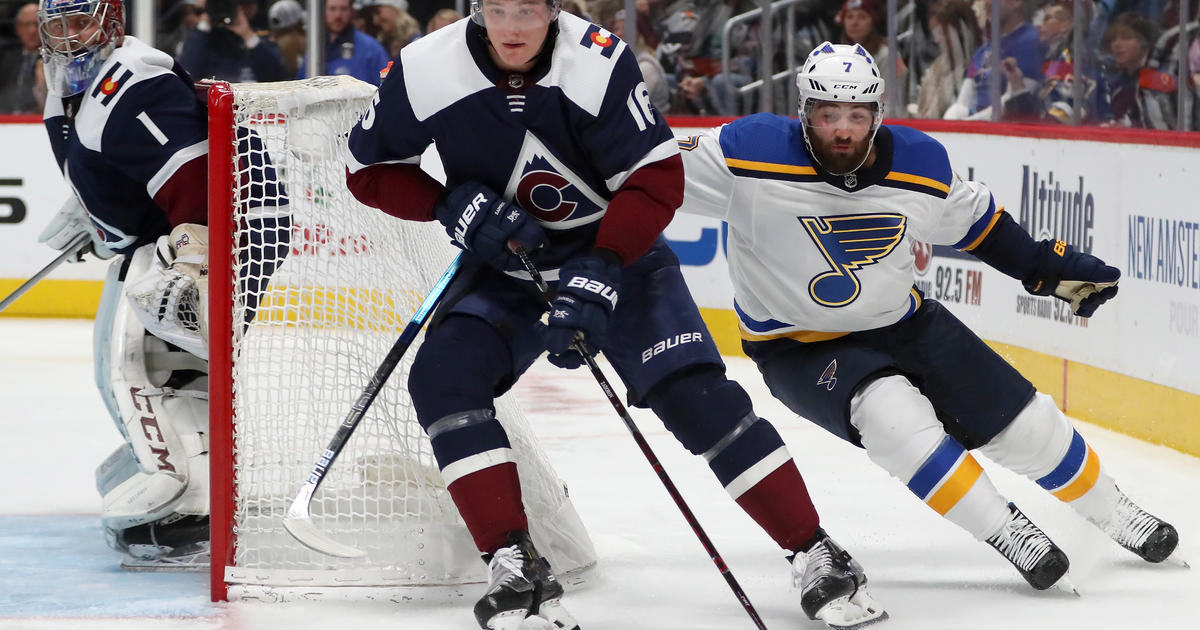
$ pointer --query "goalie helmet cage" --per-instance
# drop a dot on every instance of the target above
(308, 291)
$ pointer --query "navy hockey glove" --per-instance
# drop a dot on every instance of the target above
(1080, 279)
(587, 295)
(480, 221)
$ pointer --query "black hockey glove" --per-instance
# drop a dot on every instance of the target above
(587, 295)
(480, 221)
(1080, 279)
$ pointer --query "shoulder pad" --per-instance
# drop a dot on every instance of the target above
(131, 63)
(439, 71)
(584, 58)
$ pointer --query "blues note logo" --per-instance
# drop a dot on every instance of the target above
(849, 243)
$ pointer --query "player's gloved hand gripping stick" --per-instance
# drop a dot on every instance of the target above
(586, 355)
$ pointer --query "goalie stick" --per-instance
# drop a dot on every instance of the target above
(647, 451)
(298, 520)
(77, 247)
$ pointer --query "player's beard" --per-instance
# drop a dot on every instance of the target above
(840, 163)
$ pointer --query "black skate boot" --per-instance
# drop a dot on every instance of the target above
(1028, 548)
(833, 585)
(174, 543)
(522, 591)
(1151, 538)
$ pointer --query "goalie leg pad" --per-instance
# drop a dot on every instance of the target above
(160, 398)
(901, 433)
(1041, 444)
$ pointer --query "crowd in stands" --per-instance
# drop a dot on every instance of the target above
(1126, 64)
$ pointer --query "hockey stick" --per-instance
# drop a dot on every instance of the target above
(74, 248)
(646, 450)
(298, 520)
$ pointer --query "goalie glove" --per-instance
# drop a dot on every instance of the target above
(1082, 280)
(66, 226)
(170, 298)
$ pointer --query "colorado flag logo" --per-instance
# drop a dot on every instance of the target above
(598, 38)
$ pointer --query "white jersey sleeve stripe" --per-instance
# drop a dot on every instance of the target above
(181, 157)
(661, 152)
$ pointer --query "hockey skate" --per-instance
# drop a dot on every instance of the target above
(1151, 538)
(1028, 548)
(833, 586)
(175, 543)
(522, 592)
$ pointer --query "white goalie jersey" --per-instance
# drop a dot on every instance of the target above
(811, 254)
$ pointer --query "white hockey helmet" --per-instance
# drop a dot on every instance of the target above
(477, 10)
(842, 73)
(77, 38)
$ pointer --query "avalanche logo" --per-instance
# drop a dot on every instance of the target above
(546, 188)
(849, 243)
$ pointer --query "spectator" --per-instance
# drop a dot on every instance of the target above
(652, 71)
(348, 51)
(288, 24)
(578, 8)
(21, 92)
(1138, 96)
(444, 17)
(1055, 30)
(863, 23)
(1019, 40)
(223, 46)
(954, 28)
(395, 27)
(176, 23)
(693, 96)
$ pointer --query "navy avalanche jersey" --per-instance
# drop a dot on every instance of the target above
(134, 127)
(557, 141)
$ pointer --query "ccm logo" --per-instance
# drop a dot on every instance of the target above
(844, 86)
(594, 286)
(152, 432)
(670, 342)
(468, 215)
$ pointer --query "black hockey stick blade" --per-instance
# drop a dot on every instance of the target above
(298, 520)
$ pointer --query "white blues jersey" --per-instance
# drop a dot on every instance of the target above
(813, 254)
(557, 141)
(134, 149)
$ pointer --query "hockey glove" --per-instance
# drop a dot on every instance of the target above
(587, 295)
(1080, 279)
(483, 223)
(70, 222)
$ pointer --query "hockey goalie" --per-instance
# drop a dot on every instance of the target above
(130, 136)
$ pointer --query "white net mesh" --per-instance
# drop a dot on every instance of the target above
(327, 285)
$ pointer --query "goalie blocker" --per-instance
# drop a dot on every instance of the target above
(155, 486)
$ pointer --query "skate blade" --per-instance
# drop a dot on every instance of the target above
(556, 613)
(515, 621)
(856, 611)
(194, 563)
(1065, 585)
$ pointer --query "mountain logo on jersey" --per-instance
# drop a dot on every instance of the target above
(111, 84)
(848, 244)
(548, 189)
(598, 38)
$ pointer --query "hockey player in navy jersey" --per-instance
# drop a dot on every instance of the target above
(823, 212)
(130, 136)
(548, 139)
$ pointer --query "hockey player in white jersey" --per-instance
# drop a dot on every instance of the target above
(547, 137)
(130, 136)
(822, 214)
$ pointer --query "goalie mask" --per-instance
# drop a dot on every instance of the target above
(77, 38)
(478, 12)
(840, 73)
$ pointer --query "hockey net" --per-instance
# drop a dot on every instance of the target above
(309, 289)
